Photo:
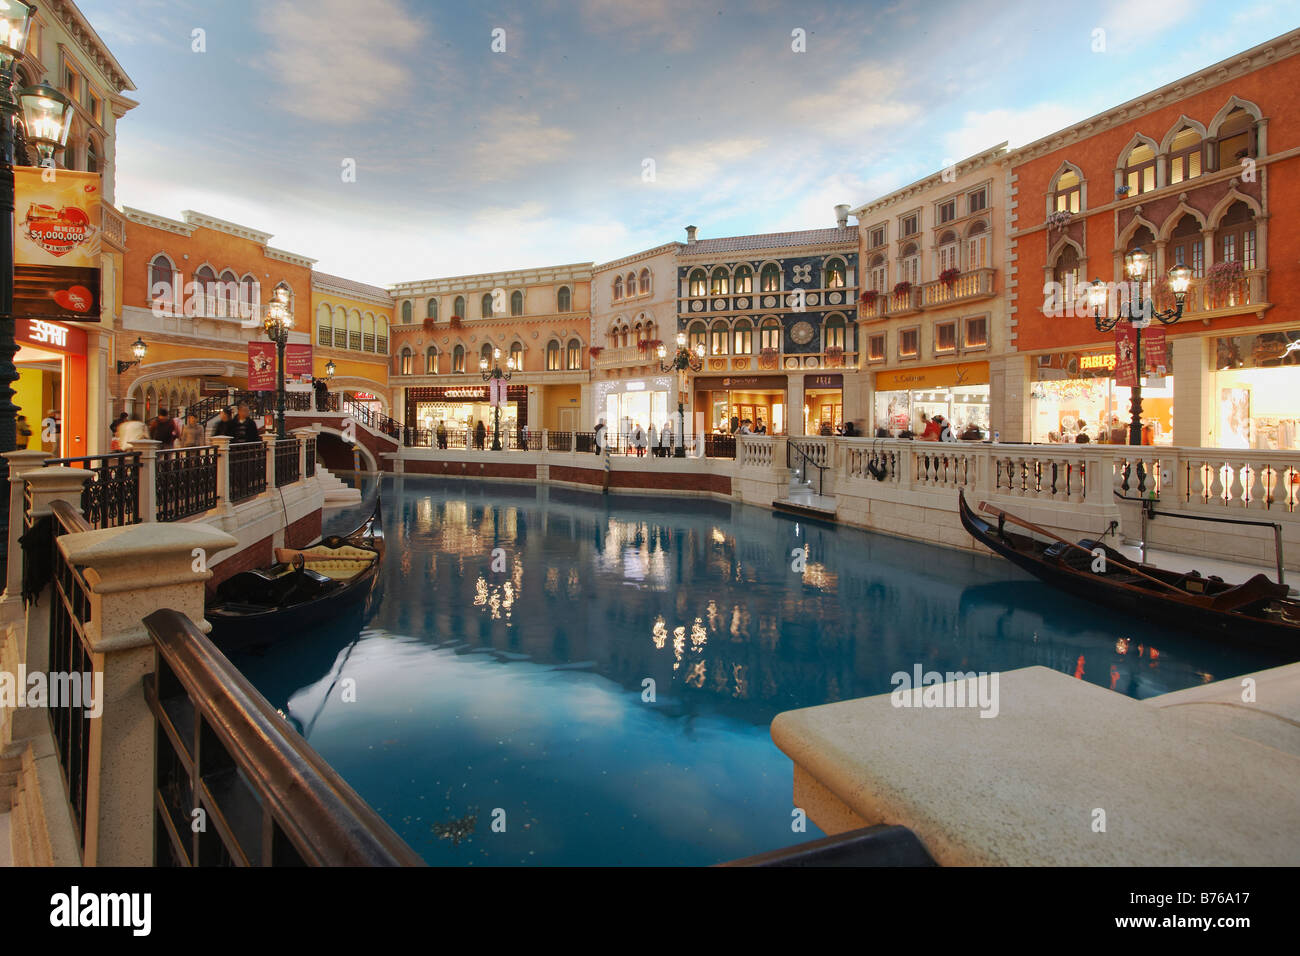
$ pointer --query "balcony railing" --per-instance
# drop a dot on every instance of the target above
(1249, 291)
(186, 482)
(976, 284)
(247, 470)
(111, 497)
(286, 462)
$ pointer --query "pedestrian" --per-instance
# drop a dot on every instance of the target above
(23, 430)
(164, 430)
(243, 429)
(666, 440)
(652, 438)
(442, 433)
(480, 435)
(638, 439)
(322, 390)
(192, 432)
(112, 426)
(599, 436)
(130, 431)
(223, 423)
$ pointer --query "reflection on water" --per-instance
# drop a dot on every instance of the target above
(507, 672)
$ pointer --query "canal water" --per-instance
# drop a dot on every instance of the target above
(556, 677)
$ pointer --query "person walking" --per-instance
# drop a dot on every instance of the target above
(600, 431)
(652, 439)
(243, 428)
(442, 433)
(480, 435)
(666, 440)
(192, 432)
(130, 431)
(638, 439)
(164, 430)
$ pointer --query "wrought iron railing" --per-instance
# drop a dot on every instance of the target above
(286, 462)
(247, 470)
(559, 441)
(111, 497)
(267, 798)
(309, 457)
(373, 420)
(186, 482)
(719, 446)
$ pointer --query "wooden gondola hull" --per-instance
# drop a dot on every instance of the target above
(1148, 604)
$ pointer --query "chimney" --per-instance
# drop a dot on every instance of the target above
(842, 215)
(690, 234)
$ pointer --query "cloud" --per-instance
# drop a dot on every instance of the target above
(864, 100)
(510, 141)
(701, 166)
(336, 61)
(980, 130)
(670, 24)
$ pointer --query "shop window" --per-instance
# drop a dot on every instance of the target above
(430, 311)
(406, 312)
(645, 282)
(1067, 194)
(744, 279)
(553, 356)
(516, 303)
(517, 354)
(1185, 156)
(574, 355)
(1236, 138)
(407, 360)
(697, 336)
(876, 347)
(769, 335)
(698, 283)
(458, 307)
(744, 337)
(945, 338)
(718, 339)
(564, 299)
(431, 360)
(877, 237)
(485, 305)
(947, 211)
(833, 333)
(618, 288)
(909, 342)
(770, 278)
(719, 282)
(1187, 246)
(835, 274)
(1139, 171)
(977, 200)
(977, 332)
(910, 224)
(458, 359)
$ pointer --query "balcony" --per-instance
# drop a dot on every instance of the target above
(631, 356)
(837, 298)
(1248, 294)
(113, 228)
(976, 284)
(773, 362)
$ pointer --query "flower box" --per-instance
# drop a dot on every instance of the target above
(1059, 219)
(949, 276)
(902, 288)
(869, 297)
(454, 321)
(595, 351)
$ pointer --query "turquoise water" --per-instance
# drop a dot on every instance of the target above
(475, 694)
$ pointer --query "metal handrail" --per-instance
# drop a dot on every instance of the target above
(302, 798)
(791, 446)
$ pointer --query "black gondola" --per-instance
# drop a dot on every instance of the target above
(305, 588)
(1256, 612)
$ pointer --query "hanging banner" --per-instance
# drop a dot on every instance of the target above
(297, 367)
(1125, 356)
(56, 245)
(1155, 350)
(495, 388)
(261, 366)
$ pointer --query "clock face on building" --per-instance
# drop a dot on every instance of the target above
(802, 333)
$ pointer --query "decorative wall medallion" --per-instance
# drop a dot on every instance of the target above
(834, 298)
(697, 306)
(534, 334)
(801, 333)
(801, 274)
(769, 302)
(742, 303)
(717, 365)
(792, 362)
(446, 339)
(810, 362)
(812, 298)
(719, 305)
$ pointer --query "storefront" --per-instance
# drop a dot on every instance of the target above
(759, 398)
(823, 404)
(959, 392)
(1074, 392)
(1256, 390)
(624, 404)
(463, 406)
(51, 363)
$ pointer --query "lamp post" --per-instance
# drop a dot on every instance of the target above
(1138, 311)
(502, 375)
(46, 115)
(138, 349)
(329, 369)
(683, 360)
(278, 322)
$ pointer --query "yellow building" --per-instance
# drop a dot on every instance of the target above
(350, 329)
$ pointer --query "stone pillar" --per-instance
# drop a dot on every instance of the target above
(268, 438)
(20, 463)
(1193, 391)
(148, 449)
(302, 434)
(1009, 389)
(131, 572)
(794, 407)
(225, 509)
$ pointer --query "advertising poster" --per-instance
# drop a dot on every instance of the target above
(1125, 357)
(1155, 350)
(261, 366)
(56, 245)
(297, 367)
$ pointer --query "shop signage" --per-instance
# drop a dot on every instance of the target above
(297, 365)
(824, 381)
(740, 381)
(56, 245)
(1125, 356)
(1104, 360)
(464, 393)
(936, 376)
(50, 335)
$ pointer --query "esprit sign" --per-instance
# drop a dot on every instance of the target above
(48, 333)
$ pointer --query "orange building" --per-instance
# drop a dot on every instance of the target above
(1191, 174)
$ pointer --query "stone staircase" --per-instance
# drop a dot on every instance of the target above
(337, 493)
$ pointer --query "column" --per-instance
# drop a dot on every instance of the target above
(20, 463)
(1193, 391)
(268, 439)
(225, 509)
(302, 434)
(148, 449)
(794, 405)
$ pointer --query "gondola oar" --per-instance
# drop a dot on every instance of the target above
(1030, 526)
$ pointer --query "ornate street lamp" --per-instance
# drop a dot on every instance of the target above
(1138, 311)
(501, 375)
(138, 349)
(685, 359)
(278, 323)
(329, 369)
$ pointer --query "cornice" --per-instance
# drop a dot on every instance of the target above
(993, 156)
(155, 221)
(637, 256)
(483, 282)
(91, 45)
(842, 247)
(290, 257)
(222, 225)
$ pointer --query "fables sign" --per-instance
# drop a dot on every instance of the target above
(56, 245)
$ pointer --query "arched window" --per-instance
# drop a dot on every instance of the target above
(516, 303)
(718, 338)
(743, 280)
(977, 245)
(340, 328)
(485, 305)
(631, 284)
(431, 360)
(639, 333)
(92, 155)
(1234, 239)
(228, 294)
(948, 254)
(618, 288)
(720, 283)
(1139, 170)
(1067, 192)
(1187, 246)
(625, 335)
(407, 359)
(563, 299)
(835, 274)
(574, 356)
(697, 282)
(910, 264)
(878, 274)
(1066, 271)
(161, 272)
(1185, 154)
(645, 281)
(250, 292)
(1236, 138)
(770, 278)
(406, 312)
(205, 277)
(697, 335)
(485, 354)
(368, 332)
(833, 336)
(1143, 238)
(324, 326)
(769, 334)
(744, 337)
(458, 359)
(458, 307)
(150, 402)
(431, 309)
(553, 356)
(354, 330)
(517, 354)
(381, 335)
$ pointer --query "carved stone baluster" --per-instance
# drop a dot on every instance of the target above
(1216, 486)
(1236, 491)
(1258, 493)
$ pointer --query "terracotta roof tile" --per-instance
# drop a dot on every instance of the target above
(772, 240)
(339, 282)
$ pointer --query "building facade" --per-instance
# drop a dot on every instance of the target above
(351, 330)
(775, 315)
(539, 318)
(1192, 173)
